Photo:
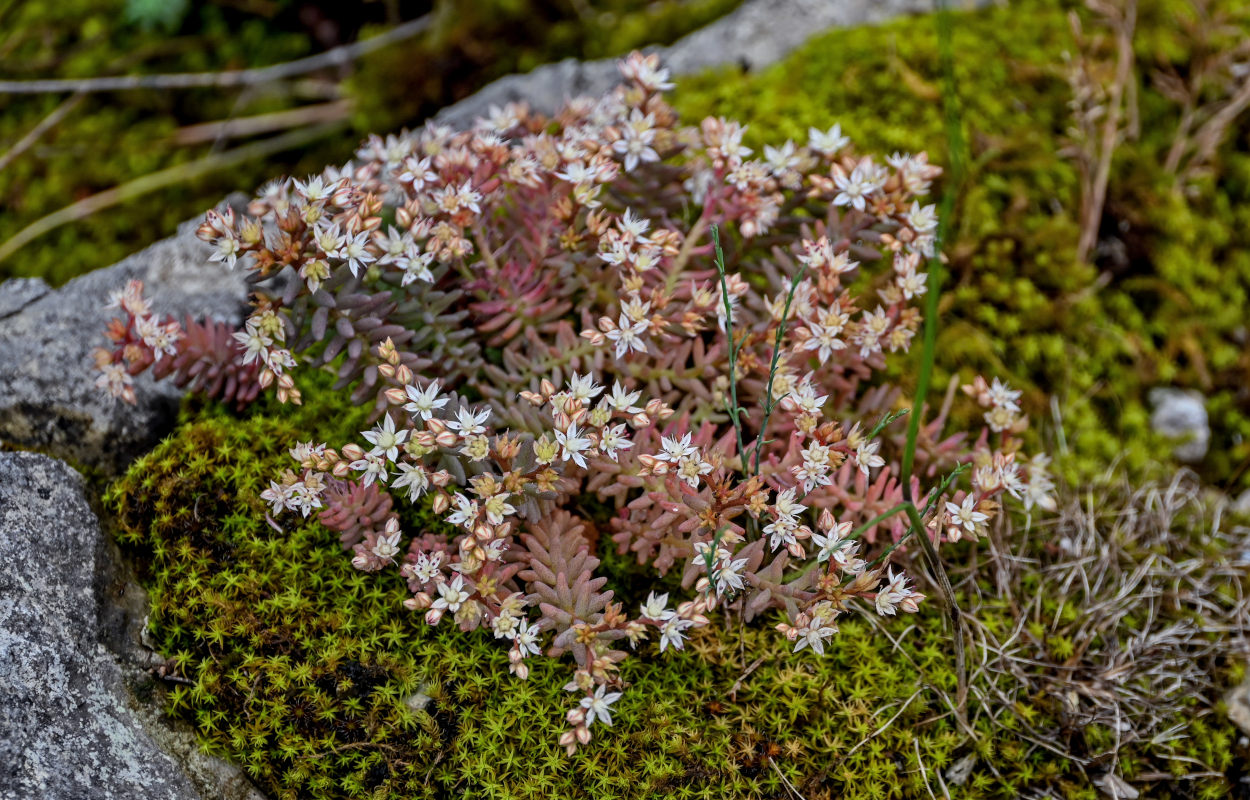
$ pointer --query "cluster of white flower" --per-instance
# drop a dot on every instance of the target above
(522, 227)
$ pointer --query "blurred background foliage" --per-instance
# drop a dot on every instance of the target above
(105, 140)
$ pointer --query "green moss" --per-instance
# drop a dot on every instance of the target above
(1015, 302)
(314, 678)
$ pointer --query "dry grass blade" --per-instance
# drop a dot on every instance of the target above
(1150, 602)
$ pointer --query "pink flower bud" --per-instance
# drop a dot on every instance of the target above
(446, 439)
(826, 521)
(394, 395)
(433, 616)
(424, 438)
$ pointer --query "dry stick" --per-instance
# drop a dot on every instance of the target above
(952, 610)
(1212, 132)
(733, 691)
(57, 114)
(243, 127)
(883, 728)
(784, 779)
(1124, 27)
(161, 179)
(334, 57)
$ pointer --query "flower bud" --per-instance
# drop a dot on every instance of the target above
(341, 469)
(440, 504)
(826, 521)
(446, 439)
(582, 733)
(433, 616)
(403, 374)
(353, 452)
(424, 438)
(394, 395)
(435, 426)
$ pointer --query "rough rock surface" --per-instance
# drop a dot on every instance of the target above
(1181, 415)
(69, 727)
(48, 398)
(64, 732)
(758, 33)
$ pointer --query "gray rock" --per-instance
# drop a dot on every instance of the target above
(64, 732)
(48, 398)
(758, 33)
(70, 727)
(1182, 415)
(18, 293)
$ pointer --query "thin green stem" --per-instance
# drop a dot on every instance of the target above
(769, 405)
(735, 412)
(955, 147)
(886, 420)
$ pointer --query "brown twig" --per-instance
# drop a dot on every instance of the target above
(334, 57)
(161, 179)
(47, 123)
(1123, 22)
(243, 127)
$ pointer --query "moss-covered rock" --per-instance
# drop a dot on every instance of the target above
(314, 678)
